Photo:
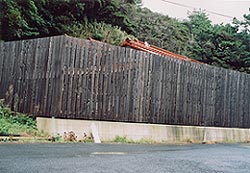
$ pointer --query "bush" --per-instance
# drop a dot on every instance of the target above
(98, 31)
(15, 123)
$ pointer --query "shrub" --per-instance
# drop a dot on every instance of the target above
(98, 31)
(15, 123)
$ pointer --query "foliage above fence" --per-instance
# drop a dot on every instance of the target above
(74, 78)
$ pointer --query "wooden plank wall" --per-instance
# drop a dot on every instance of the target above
(68, 77)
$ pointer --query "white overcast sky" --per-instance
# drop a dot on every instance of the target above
(179, 10)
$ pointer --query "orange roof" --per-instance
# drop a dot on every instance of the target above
(139, 45)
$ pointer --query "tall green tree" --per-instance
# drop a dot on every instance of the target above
(200, 31)
(221, 45)
(160, 30)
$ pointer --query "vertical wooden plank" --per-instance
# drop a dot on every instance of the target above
(163, 91)
(196, 88)
(59, 76)
(15, 75)
(181, 88)
(104, 81)
(138, 87)
(102, 86)
(193, 93)
(89, 79)
(62, 58)
(150, 86)
(40, 58)
(143, 87)
(213, 95)
(152, 90)
(147, 87)
(6, 80)
(187, 90)
(145, 90)
(42, 70)
(98, 85)
(68, 77)
(209, 84)
(126, 70)
(80, 73)
(122, 84)
(4, 71)
(71, 65)
(10, 74)
(178, 85)
(25, 76)
(159, 89)
(227, 100)
(86, 90)
(19, 77)
(115, 101)
(93, 79)
(246, 117)
(2, 49)
(2, 60)
(132, 87)
(74, 59)
(34, 77)
(137, 82)
(24, 79)
(219, 91)
(47, 79)
(55, 76)
(65, 78)
(76, 78)
(38, 75)
(29, 73)
(52, 77)
(168, 104)
(166, 88)
(129, 83)
(118, 85)
(240, 99)
(203, 96)
(97, 80)
(248, 101)
(199, 104)
(170, 93)
(109, 83)
(235, 101)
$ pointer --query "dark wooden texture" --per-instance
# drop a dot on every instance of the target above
(67, 77)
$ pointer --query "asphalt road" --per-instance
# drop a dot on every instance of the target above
(121, 158)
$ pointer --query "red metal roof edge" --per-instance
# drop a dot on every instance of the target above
(139, 45)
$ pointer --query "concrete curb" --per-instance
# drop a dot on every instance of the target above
(107, 131)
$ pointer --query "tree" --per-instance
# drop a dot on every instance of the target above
(14, 24)
(160, 30)
(220, 45)
(200, 30)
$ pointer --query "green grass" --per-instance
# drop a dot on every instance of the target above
(17, 123)
(123, 139)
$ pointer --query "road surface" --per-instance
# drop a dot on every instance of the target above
(108, 158)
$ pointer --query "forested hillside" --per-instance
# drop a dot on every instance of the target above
(112, 21)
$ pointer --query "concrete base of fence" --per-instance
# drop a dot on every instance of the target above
(107, 131)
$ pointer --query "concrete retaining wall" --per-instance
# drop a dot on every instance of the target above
(107, 131)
